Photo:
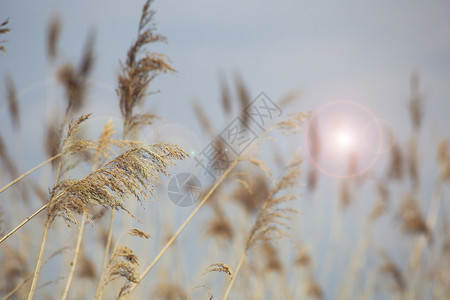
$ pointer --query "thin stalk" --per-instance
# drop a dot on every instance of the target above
(44, 240)
(77, 247)
(415, 266)
(29, 172)
(75, 257)
(180, 229)
(225, 296)
(13, 291)
(44, 206)
(99, 291)
(100, 286)
(28, 219)
(38, 265)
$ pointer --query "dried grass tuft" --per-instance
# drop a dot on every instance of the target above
(313, 289)
(7, 161)
(220, 226)
(225, 96)
(133, 173)
(86, 267)
(75, 81)
(302, 258)
(243, 97)
(413, 160)
(271, 220)
(416, 102)
(220, 267)
(53, 33)
(170, 291)
(137, 72)
(395, 168)
(412, 218)
(273, 263)
(252, 192)
(123, 265)
(391, 269)
(12, 102)
(139, 233)
(344, 194)
(381, 203)
(3, 29)
(443, 155)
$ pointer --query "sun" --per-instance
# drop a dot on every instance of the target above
(344, 139)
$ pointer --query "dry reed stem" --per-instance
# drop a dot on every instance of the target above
(49, 220)
(30, 276)
(180, 229)
(102, 146)
(28, 173)
(25, 221)
(105, 257)
(89, 186)
(271, 217)
(38, 264)
(75, 257)
(241, 261)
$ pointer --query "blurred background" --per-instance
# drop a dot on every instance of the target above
(373, 76)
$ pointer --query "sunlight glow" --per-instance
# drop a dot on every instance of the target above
(344, 139)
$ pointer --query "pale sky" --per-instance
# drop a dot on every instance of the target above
(361, 51)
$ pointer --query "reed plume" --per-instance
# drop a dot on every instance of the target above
(391, 269)
(3, 29)
(75, 80)
(271, 220)
(12, 102)
(133, 173)
(138, 71)
(53, 34)
(412, 220)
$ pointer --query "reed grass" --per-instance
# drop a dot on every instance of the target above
(244, 238)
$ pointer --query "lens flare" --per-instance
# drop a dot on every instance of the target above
(338, 141)
(344, 139)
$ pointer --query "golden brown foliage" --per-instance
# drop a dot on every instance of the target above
(12, 102)
(75, 81)
(271, 220)
(391, 269)
(313, 289)
(3, 29)
(412, 218)
(139, 233)
(123, 265)
(220, 267)
(133, 173)
(137, 72)
(53, 33)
